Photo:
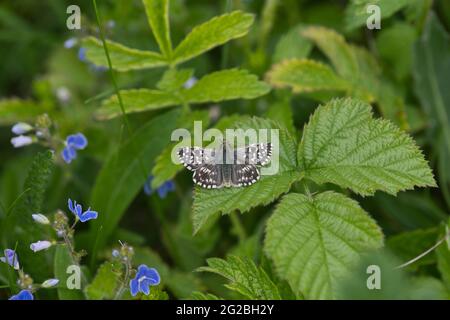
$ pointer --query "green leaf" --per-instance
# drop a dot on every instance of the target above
(292, 46)
(305, 76)
(122, 57)
(158, 18)
(208, 202)
(226, 85)
(122, 175)
(245, 277)
(165, 169)
(156, 293)
(344, 145)
(203, 296)
(62, 261)
(174, 79)
(431, 69)
(356, 13)
(443, 261)
(213, 33)
(15, 110)
(136, 100)
(313, 241)
(105, 282)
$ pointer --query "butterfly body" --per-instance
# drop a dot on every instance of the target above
(225, 166)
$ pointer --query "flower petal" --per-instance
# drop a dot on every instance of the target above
(134, 287)
(78, 141)
(144, 286)
(153, 276)
(23, 295)
(68, 154)
(88, 215)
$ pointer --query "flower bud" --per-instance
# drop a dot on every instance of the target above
(40, 245)
(21, 141)
(40, 218)
(21, 128)
(50, 283)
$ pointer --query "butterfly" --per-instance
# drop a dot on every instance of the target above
(225, 166)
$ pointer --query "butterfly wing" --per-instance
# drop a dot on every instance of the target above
(193, 157)
(208, 176)
(244, 175)
(256, 154)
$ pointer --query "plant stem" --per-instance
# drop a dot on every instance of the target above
(124, 283)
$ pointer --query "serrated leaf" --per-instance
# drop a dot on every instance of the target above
(156, 293)
(226, 85)
(125, 172)
(14, 110)
(314, 240)
(344, 145)
(122, 57)
(304, 75)
(136, 100)
(356, 13)
(62, 261)
(174, 79)
(208, 202)
(203, 296)
(165, 169)
(245, 277)
(292, 46)
(158, 18)
(105, 282)
(213, 33)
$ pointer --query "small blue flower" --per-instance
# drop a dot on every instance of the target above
(82, 54)
(70, 43)
(163, 190)
(77, 210)
(145, 277)
(23, 295)
(40, 245)
(11, 259)
(73, 143)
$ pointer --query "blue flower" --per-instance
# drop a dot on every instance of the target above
(73, 143)
(40, 245)
(11, 259)
(163, 190)
(145, 277)
(23, 295)
(82, 54)
(77, 210)
(70, 43)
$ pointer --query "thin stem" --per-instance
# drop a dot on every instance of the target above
(423, 254)
(238, 226)
(124, 283)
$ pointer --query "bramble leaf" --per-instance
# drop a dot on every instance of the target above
(292, 46)
(313, 241)
(245, 277)
(344, 145)
(122, 57)
(304, 75)
(213, 33)
(105, 282)
(158, 18)
(208, 202)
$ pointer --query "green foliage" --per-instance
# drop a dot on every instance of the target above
(122, 57)
(13, 110)
(443, 259)
(313, 240)
(211, 34)
(245, 277)
(343, 144)
(62, 261)
(104, 285)
(158, 18)
(292, 46)
(125, 173)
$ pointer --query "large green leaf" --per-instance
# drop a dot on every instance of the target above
(208, 202)
(292, 46)
(245, 277)
(304, 75)
(105, 282)
(158, 18)
(343, 144)
(213, 33)
(356, 13)
(136, 100)
(122, 57)
(313, 241)
(125, 172)
(226, 85)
